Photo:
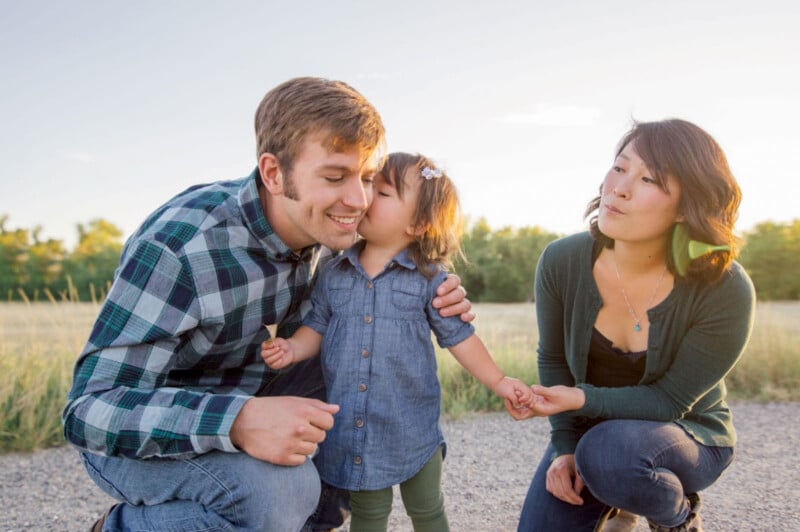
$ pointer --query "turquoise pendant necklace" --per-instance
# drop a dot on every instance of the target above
(637, 326)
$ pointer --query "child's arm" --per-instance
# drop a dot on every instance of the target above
(281, 352)
(473, 355)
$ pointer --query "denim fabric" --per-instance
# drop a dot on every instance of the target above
(644, 467)
(223, 491)
(210, 492)
(379, 366)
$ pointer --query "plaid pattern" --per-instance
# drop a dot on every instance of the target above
(174, 353)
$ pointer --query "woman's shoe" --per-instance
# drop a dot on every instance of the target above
(693, 522)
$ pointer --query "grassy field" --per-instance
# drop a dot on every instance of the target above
(39, 342)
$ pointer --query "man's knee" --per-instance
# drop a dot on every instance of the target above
(277, 497)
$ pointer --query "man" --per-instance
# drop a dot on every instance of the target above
(183, 421)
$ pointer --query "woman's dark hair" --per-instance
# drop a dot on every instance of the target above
(710, 195)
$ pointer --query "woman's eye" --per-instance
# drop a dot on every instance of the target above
(617, 168)
(648, 179)
(333, 178)
(384, 194)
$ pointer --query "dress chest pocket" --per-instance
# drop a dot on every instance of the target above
(340, 289)
(408, 294)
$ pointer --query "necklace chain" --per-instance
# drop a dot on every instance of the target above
(636, 320)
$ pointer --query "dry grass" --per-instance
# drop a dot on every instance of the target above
(39, 343)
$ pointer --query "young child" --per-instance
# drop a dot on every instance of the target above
(372, 318)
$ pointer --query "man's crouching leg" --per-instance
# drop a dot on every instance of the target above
(214, 491)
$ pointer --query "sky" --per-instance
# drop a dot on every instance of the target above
(109, 108)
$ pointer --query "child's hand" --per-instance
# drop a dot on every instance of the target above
(515, 392)
(277, 353)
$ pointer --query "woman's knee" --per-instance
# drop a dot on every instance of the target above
(604, 455)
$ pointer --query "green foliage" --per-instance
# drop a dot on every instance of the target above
(771, 256)
(36, 269)
(91, 265)
(501, 265)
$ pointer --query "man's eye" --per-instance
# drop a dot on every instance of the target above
(333, 178)
(384, 194)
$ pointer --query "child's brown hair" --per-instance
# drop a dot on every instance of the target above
(438, 213)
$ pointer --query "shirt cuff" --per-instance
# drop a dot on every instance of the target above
(212, 427)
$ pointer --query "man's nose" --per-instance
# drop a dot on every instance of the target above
(356, 195)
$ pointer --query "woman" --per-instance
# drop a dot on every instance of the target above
(636, 335)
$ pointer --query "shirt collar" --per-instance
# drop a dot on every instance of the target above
(402, 259)
(256, 221)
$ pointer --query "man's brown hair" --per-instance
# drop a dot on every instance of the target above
(301, 106)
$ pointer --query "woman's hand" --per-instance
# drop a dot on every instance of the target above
(551, 400)
(520, 412)
(563, 480)
(548, 401)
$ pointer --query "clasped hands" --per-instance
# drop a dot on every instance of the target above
(546, 401)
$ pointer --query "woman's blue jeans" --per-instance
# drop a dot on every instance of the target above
(644, 467)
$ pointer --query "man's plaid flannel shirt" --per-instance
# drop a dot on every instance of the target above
(174, 353)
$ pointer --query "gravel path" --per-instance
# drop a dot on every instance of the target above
(489, 464)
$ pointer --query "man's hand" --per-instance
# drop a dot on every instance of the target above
(563, 480)
(451, 299)
(282, 430)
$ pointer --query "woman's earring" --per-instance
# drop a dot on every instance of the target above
(685, 250)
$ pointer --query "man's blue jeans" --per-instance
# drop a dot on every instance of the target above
(222, 491)
(214, 491)
(644, 467)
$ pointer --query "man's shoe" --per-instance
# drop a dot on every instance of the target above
(98, 525)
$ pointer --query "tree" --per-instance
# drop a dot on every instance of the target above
(92, 263)
(14, 256)
(770, 256)
(45, 266)
(502, 264)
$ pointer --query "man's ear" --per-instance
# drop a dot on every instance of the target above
(271, 175)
